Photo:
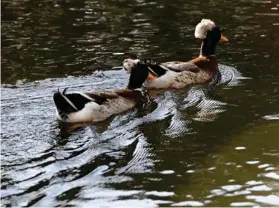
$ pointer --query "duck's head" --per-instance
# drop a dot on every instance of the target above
(128, 64)
(139, 72)
(210, 34)
(207, 29)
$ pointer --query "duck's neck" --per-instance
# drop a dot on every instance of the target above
(133, 87)
(138, 76)
(134, 83)
(207, 48)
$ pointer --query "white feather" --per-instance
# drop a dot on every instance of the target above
(93, 112)
(163, 82)
(128, 64)
(70, 102)
(153, 71)
(83, 94)
(203, 27)
(164, 67)
(178, 79)
(58, 115)
(85, 114)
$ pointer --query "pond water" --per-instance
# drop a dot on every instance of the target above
(198, 146)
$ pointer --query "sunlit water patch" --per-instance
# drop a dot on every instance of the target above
(272, 117)
(214, 145)
(93, 165)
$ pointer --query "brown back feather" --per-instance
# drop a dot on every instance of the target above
(208, 63)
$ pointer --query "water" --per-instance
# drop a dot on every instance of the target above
(199, 146)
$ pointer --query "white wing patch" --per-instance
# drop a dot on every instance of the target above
(164, 67)
(93, 112)
(86, 96)
(86, 114)
(163, 81)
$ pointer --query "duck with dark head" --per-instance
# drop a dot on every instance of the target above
(98, 106)
(178, 74)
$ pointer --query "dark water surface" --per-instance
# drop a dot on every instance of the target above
(198, 146)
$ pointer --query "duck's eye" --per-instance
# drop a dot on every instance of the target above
(125, 61)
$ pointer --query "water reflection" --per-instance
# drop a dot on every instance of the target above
(272, 117)
(221, 139)
(109, 151)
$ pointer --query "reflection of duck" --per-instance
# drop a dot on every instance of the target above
(98, 106)
(176, 74)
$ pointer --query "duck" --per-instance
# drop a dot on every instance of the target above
(178, 74)
(82, 107)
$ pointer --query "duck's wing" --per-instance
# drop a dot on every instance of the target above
(101, 97)
(75, 101)
(132, 96)
(157, 70)
(135, 95)
(179, 66)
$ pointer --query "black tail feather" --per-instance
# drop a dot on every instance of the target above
(64, 91)
(62, 104)
(69, 103)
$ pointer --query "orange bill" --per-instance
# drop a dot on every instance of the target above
(223, 39)
(151, 77)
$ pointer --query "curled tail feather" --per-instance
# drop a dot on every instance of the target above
(62, 103)
(73, 102)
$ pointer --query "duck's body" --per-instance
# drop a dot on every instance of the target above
(93, 106)
(177, 74)
(98, 106)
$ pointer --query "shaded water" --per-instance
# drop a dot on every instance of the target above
(196, 146)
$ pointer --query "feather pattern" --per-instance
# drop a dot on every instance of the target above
(98, 106)
(177, 74)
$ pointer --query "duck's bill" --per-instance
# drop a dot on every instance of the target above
(223, 39)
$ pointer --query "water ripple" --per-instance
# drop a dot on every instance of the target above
(54, 161)
(189, 140)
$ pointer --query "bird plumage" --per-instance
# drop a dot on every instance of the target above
(98, 106)
(178, 74)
